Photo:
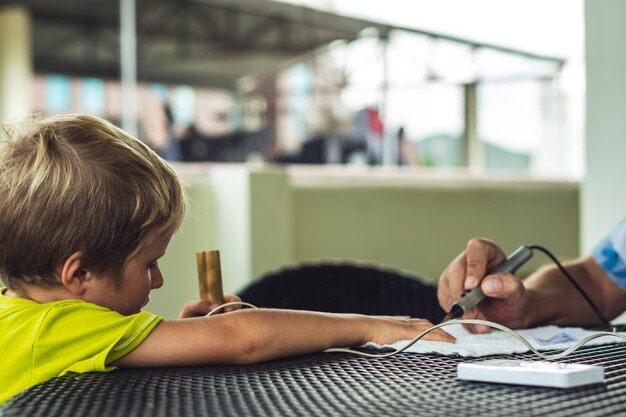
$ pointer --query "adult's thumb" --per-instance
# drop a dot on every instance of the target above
(501, 285)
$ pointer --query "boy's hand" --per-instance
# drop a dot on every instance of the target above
(198, 308)
(391, 329)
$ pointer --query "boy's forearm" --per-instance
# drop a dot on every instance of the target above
(269, 334)
(247, 336)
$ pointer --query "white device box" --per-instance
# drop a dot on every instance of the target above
(536, 373)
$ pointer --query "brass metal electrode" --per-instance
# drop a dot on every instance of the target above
(210, 276)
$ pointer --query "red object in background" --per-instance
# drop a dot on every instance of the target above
(374, 122)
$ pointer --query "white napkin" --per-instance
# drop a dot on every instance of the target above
(497, 342)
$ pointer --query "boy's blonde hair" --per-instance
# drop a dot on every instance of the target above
(78, 183)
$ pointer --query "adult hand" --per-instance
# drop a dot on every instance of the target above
(197, 308)
(505, 300)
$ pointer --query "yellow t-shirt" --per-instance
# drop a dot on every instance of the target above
(41, 341)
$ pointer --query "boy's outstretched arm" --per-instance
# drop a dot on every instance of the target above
(249, 336)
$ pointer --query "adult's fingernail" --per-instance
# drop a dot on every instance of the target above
(470, 282)
(493, 286)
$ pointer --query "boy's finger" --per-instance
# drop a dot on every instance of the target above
(231, 297)
(205, 305)
(437, 334)
(196, 308)
(440, 336)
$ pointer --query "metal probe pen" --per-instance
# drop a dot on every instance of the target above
(469, 299)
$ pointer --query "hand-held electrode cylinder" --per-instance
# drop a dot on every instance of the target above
(210, 276)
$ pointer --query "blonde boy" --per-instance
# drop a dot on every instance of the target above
(86, 211)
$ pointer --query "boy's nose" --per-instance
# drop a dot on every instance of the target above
(157, 281)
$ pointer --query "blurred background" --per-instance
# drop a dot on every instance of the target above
(433, 84)
(386, 133)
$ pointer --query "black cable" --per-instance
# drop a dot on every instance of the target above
(574, 283)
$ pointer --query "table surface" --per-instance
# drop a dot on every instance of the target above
(324, 384)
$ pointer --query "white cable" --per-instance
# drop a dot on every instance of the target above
(231, 303)
(505, 329)
(498, 326)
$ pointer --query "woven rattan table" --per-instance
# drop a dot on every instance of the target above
(323, 385)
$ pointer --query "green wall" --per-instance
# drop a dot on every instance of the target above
(422, 228)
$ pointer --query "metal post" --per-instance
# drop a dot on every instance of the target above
(128, 66)
(474, 153)
(390, 144)
(16, 63)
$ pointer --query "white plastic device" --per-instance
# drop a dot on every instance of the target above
(536, 373)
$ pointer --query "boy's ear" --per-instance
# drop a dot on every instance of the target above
(73, 276)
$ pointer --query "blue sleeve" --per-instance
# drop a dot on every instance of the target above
(610, 254)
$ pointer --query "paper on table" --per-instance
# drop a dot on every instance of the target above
(498, 342)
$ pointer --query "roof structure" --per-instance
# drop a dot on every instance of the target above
(210, 43)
